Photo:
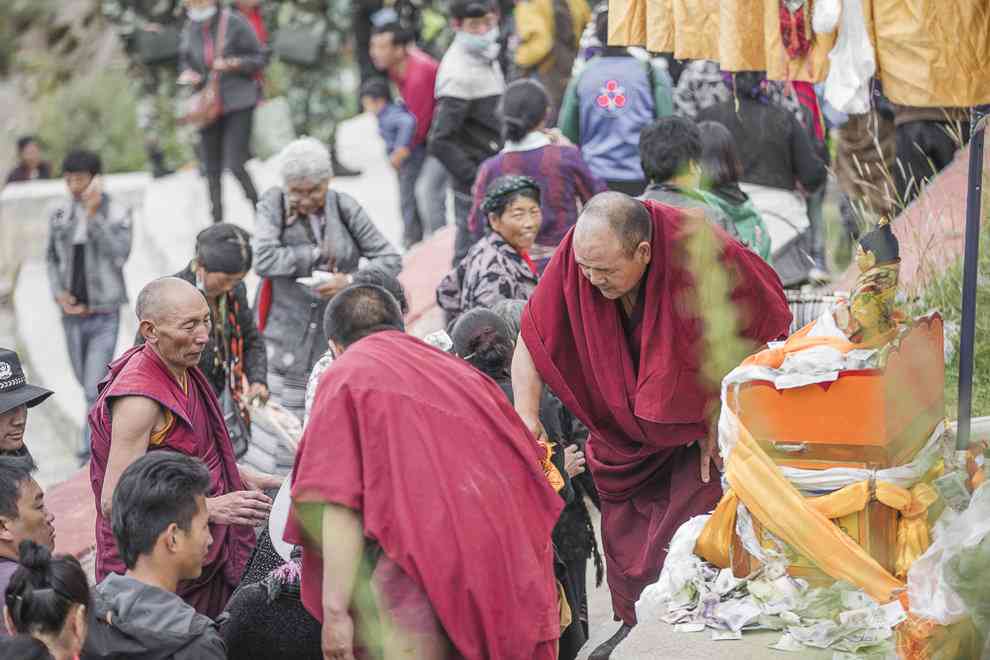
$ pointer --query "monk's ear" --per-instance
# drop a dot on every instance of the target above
(644, 252)
(148, 331)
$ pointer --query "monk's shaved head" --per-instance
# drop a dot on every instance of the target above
(163, 296)
(611, 244)
(617, 214)
(175, 321)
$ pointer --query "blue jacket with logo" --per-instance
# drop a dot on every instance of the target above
(606, 106)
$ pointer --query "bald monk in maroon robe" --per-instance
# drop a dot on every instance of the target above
(612, 331)
(155, 397)
(415, 463)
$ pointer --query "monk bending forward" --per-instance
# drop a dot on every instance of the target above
(155, 397)
(611, 329)
(415, 476)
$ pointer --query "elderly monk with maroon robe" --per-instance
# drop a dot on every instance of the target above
(155, 397)
(611, 330)
(415, 469)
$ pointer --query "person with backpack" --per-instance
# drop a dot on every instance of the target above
(606, 106)
(305, 229)
(720, 172)
(549, 32)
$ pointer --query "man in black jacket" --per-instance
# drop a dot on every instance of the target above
(160, 525)
(466, 129)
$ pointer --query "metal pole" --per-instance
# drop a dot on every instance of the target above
(971, 261)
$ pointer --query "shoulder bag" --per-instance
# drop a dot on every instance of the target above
(205, 106)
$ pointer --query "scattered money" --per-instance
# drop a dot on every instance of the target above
(788, 643)
(893, 613)
(689, 627)
(854, 600)
(790, 618)
(867, 617)
(726, 582)
(726, 635)
(952, 488)
(735, 614)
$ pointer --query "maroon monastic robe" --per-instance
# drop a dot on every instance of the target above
(198, 431)
(448, 483)
(645, 416)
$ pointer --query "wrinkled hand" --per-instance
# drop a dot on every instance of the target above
(573, 460)
(399, 156)
(259, 481)
(223, 64)
(558, 138)
(535, 427)
(69, 304)
(338, 637)
(258, 391)
(242, 507)
(337, 283)
(189, 77)
(709, 451)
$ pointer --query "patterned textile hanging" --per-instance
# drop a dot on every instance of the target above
(795, 28)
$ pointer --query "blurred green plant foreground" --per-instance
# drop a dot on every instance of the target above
(944, 294)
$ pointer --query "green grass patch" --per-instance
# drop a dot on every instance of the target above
(944, 294)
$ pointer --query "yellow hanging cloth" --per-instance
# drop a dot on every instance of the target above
(715, 541)
(778, 505)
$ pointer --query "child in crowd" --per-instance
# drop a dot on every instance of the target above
(397, 127)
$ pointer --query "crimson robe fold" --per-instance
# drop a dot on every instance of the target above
(448, 482)
(644, 418)
(199, 431)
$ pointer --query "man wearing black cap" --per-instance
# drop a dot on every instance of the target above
(16, 396)
(466, 128)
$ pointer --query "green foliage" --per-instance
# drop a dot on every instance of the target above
(15, 17)
(96, 112)
(722, 347)
(944, 294)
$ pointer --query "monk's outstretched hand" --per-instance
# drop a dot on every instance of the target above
(535, 427)
(338, 637)
(710, 454)
(241, 507)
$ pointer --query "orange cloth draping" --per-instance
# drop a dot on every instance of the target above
(799, 341)
(550, 470)
(780, 508)
(715, 541)
(926, 56)
(913, 537)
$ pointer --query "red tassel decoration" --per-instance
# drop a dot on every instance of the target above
(793, 31)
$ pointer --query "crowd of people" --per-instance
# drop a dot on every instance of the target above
(441, 492)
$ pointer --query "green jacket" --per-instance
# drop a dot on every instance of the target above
(749, 223)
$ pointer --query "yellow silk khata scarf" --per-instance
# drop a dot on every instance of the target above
(805, 523)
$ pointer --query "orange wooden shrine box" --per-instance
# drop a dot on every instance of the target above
(871, 419)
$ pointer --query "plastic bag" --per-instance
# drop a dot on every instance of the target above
(272, 127)
(675, 587)
(825, 16)
(278, 422)
(930, 578)
(852, 63)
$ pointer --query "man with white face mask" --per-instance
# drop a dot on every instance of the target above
(466, 129)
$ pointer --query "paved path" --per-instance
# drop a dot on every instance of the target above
(174, 210)
(657, 640)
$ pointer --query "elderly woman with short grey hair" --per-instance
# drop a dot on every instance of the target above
(305, 229)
